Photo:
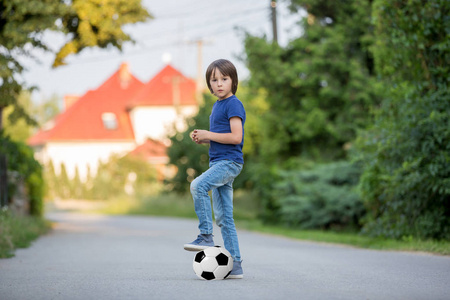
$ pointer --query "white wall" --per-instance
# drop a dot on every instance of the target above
(81, 154)
(157, 122)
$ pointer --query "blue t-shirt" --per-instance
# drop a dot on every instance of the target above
(219, 121)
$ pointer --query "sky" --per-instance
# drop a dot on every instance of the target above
(172, 34)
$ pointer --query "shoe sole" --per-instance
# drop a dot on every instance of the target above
(190, 247)
(235, 276)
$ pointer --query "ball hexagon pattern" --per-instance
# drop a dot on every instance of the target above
(213, 263)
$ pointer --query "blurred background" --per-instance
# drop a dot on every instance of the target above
(347, 107)
(176, 33)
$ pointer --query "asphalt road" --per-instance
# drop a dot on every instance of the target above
(102, 257)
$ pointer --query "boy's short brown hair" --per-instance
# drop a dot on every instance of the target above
(225, 67)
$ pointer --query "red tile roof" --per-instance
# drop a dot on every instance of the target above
(83, 119)
(164, 88)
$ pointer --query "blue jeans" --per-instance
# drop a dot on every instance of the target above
(218, 178)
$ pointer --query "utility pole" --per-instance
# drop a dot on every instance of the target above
(175, 81)
(199, 84)
(200, 78)
(273, 5)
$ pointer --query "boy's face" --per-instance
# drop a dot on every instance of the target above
(220, 84)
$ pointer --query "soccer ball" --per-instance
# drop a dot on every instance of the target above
(213, 263)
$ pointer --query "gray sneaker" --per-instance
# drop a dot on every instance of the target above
(237, 272)
(202, 242)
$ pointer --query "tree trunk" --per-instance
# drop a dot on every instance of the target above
(1, 118)
(3, 181)
(3, 170)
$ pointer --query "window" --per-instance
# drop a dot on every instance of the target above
(109, 120)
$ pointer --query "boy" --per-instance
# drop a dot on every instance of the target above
(226, 139)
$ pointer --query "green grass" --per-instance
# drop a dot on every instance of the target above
(19, 231)
(246, 212)
(350, 239)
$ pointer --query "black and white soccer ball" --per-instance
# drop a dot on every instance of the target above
(213, 263)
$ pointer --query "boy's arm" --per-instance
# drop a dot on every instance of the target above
(234, 137)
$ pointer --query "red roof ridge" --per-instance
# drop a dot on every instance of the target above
(161, 89)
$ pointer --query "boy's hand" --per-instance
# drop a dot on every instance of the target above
(200, 136)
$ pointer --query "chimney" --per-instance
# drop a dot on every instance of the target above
(124, 75)
(69, 100)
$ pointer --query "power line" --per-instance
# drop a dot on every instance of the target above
(224, 25)
(214, 20)
(180, 14)
(146, 48)
(218, 28)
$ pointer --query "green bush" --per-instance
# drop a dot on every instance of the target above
(406, 153)
(324, 197)
(21, 163)
(406, 182)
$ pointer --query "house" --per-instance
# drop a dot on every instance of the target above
(122, 115)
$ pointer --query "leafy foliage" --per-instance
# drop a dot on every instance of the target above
(22, 24)
(320, 86)
(86, 23)
(21, 163)
(92, 23)
(19, 130)
(406, 182)
(320, 89)
(323, 197)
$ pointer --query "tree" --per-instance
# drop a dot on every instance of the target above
(92, 23)
(320, 86)
(63, 184)
(18, 131)
(406, 181)
(22, 24)
(320, 89)
(50, 179)
(86, 23)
